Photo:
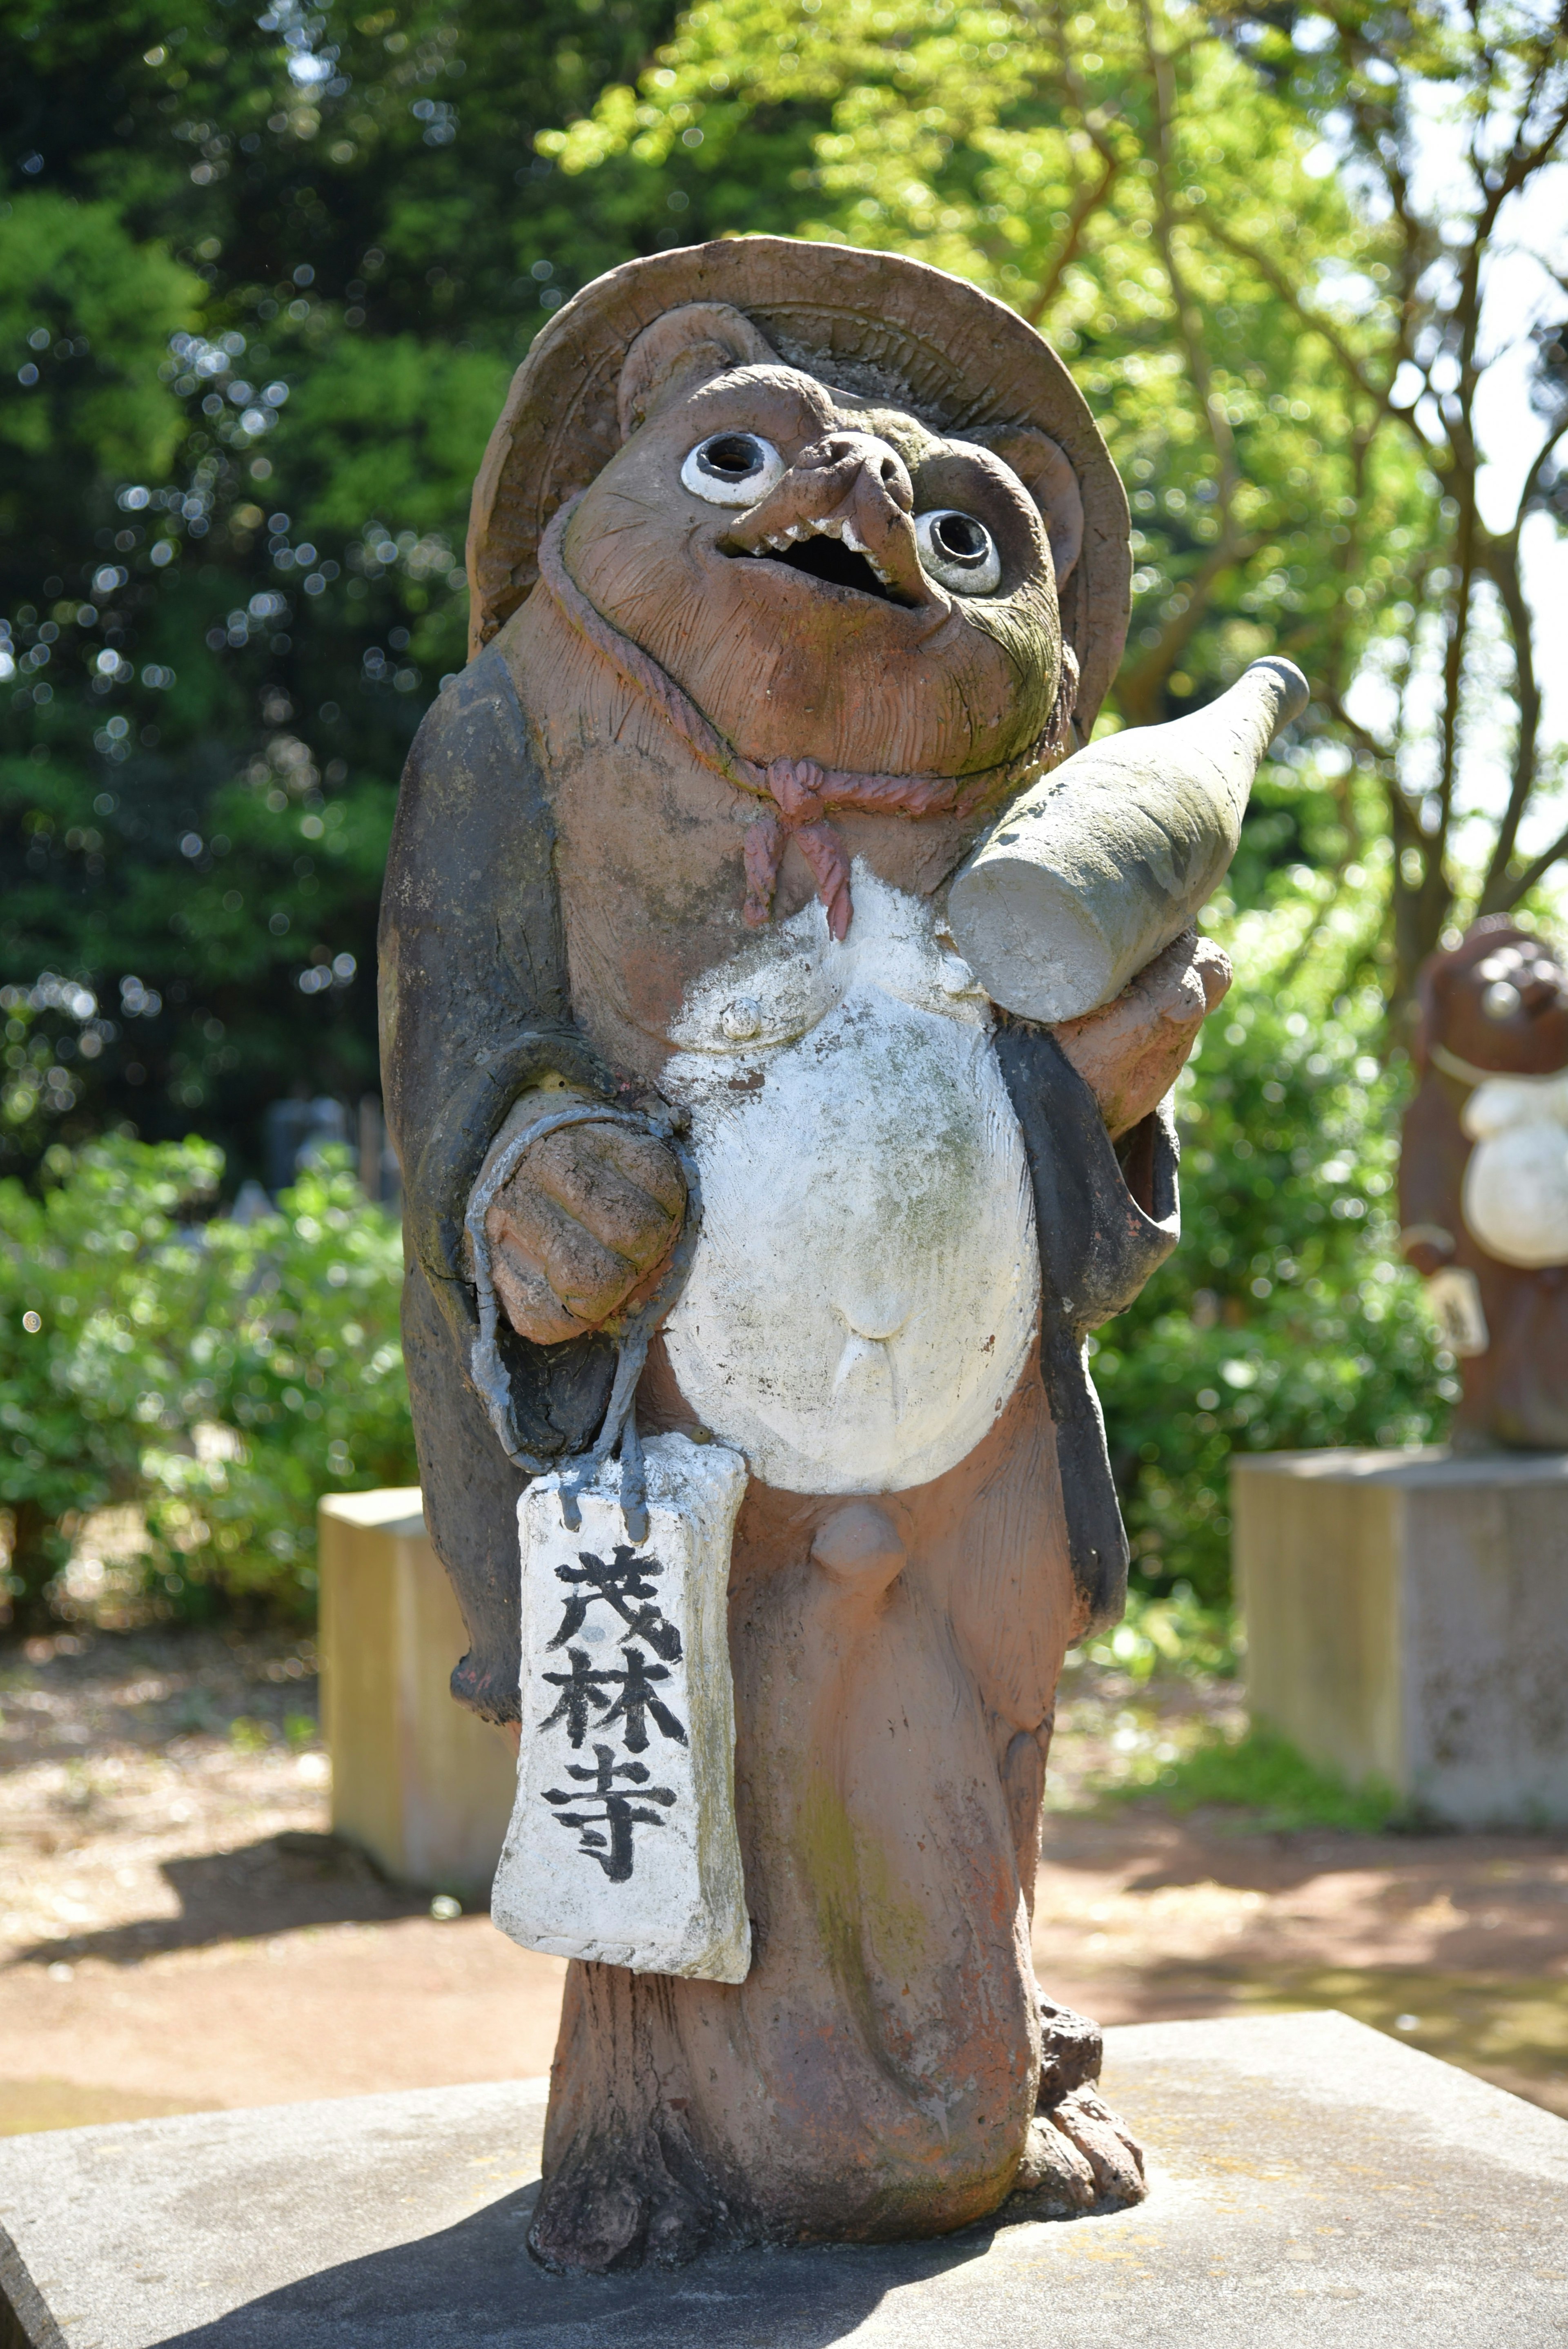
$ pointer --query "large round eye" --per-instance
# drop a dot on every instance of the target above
(958, 550)
(1501, 1000)
(733, 469)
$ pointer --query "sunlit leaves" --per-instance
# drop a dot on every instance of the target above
(1025, 150)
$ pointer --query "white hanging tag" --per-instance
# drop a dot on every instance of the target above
(622, 1844)
(1454, 1295)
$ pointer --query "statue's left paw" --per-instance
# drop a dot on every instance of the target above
(1108, 2145)
(1053, 2179)
(1078, 2155)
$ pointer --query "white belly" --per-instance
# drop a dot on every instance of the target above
(1516, 1184)
(865, 1286)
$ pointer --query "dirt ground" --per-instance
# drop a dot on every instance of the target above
(180, 1931)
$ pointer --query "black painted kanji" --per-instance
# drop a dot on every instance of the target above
(585, 1687)
(637, 1699)
(622, 1811)
(626, 1579)
(580, 1689)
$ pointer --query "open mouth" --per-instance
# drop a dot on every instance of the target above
(828, 551)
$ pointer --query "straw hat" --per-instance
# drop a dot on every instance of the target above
(874, 324)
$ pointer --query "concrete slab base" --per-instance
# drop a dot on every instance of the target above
(1313, 2183)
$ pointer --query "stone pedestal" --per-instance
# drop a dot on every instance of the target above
(418, 1782)
(1314, 2186)
(1406, 1617)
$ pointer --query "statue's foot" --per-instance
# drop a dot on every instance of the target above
(611, 2207)
(1078, 2157)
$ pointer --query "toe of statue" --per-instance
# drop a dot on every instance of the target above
(1078, 2157)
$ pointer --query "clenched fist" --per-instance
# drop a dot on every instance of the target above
(584, 1226)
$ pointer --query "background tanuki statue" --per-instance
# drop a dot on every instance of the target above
(1483, 1180)
(791, 564)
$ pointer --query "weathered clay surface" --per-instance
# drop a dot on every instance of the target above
(750, 739)
(876, 2073)
(584, 1226)
(1482, 1226)
(1132, 1050)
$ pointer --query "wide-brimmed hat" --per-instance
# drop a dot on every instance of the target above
(868, 322)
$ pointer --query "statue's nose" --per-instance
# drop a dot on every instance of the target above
(865, 463)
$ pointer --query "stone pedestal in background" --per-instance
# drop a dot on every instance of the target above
(1406, 1617)
(416, 1781)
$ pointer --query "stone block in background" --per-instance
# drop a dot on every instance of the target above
(1313, 2186)
(419, 1782)
(1407, 1617)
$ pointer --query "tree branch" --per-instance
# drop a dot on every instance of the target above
(1137, 687)
(1280, 284)
(1532, 479)
(1501, 563)
(1523, 883)
(1085, 204)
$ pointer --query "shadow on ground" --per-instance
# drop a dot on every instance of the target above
(276, 1885)
(475, 2282)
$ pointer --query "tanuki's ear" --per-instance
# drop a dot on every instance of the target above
(1043, 470)
(682, 349)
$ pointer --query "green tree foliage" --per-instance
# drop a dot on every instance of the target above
(217, 1376)
(262, 282)
(1449, 125)
(1103, 172)
(1265, 239)
(263, 279)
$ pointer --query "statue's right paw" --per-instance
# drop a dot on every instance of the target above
(586, 2226)
(583, 1228)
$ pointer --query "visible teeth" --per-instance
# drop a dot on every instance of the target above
(829, 526)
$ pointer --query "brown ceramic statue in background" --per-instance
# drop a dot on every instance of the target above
(1483, 1180)
(791, 566)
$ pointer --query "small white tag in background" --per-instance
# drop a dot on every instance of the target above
(622, 1844)
(1454, 1295)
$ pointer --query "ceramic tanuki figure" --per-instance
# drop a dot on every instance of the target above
(791, 564)
(1483, 1180)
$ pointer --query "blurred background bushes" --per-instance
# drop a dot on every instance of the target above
(178, 1387)
(1286, 1319)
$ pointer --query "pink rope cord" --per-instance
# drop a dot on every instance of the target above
(801, 792)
